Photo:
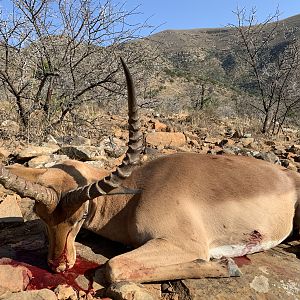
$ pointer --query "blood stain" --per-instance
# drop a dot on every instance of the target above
(242, 260)
(42, 277)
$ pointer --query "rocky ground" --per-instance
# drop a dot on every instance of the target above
(274, 274)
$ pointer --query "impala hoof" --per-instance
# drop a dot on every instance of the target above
(233, 269)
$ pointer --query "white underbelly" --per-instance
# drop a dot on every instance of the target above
(240, 250)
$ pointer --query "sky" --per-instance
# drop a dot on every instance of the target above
(188, 14)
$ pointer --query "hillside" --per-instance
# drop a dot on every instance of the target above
(191, 62)
(205, 38)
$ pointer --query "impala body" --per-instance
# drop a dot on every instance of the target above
(186, 214)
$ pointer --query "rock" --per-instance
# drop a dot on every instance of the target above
(268, 156)
(73, 140)
(128, 291)
(33, 151)
(260, 284)
(9, 127)
(9, 209)
(211, 140)
(113, 147)
(27, 209)
(228, 151)
(120, 134)
(3, 154)
(292, 167)
(65, 292)
(194, 143)
(226, 142)
(266, 275)
(98, 163)
(17, 280)
(237, 134)
(279, 152)
(270, 143)
(84, 283)
(158, 126)
(82, 153)
(246, 141)
(297, 158)
(46, 161)
(285, 163)
(43, 294)
(295, 149)
(165, 139)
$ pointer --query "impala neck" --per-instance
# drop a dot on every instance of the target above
(108, 217)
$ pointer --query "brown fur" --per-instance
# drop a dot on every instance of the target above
(189, 204)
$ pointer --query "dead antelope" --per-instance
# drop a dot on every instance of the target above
(186, 214)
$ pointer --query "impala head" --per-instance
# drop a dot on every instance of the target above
(63, 208)
(62, 224)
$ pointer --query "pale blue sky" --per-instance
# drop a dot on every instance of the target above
(187, 14)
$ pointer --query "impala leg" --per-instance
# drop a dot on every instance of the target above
(160, 259)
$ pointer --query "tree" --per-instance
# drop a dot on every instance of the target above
(58, 54)
(268, 55)
(200, 93)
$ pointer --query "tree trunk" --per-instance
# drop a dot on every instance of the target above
(21, 112)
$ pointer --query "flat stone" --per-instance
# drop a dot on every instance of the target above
(32, 151)
(165, 139)
(128, 291)
(274, 274)
(43, 294)
(46, 161)
(14, 278)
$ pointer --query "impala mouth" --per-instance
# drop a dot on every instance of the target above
(60, 266)
(63, 262)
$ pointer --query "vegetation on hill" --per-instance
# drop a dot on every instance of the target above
(60, 72)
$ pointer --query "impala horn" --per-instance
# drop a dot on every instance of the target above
(111, 184)
(48, 196)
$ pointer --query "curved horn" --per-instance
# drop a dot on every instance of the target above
(26, 188)
(132, 157)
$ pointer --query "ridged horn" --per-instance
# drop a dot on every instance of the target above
(26, 188)
(112, 182)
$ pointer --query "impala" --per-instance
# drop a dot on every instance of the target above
(185, 214)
